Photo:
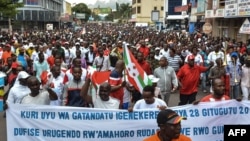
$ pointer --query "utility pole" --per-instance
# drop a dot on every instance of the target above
(10, 26)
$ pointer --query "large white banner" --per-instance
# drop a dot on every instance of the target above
(204, 122)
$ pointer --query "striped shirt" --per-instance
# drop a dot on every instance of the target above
(174, 62)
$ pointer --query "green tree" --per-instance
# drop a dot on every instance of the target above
(9, 7)
(124, 11)
(109, 17)
(96, 17)
(82, 8)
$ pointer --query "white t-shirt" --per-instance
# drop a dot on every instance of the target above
(41, 99)
(141, 104)
(112, 103)
(126, 96)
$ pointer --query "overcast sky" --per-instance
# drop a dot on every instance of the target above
(84, 1)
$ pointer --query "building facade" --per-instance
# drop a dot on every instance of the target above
(176, 12)
(141, 11)
(227, 17)
(36, 14)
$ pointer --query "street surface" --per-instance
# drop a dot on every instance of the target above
(174, 100)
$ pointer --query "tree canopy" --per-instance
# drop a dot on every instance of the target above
(123, 11)
(82, 8)
(9, 7)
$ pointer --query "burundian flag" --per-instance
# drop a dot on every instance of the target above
(135, 74)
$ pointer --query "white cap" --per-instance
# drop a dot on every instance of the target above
(23, 74)
(77, 43)
(31, 45)
(157, 48)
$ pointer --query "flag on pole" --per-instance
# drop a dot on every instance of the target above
(135, 74)
(98, 77)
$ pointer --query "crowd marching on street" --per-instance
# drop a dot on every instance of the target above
(90, 68)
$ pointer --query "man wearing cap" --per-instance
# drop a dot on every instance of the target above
(234, 70)
(68, 54)
(157, 53)
(170, 127)
(189, 76)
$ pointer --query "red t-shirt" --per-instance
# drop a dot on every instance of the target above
(189, 78)
(114, 80)
(146, 67)
(210, 98)
(145, 51)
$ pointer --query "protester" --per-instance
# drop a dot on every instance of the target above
(170, 127)
(101, 62)
(218, 94)
(72, 90)
(235, 72)
(143, 63)
(40, 66)
(218, 71)
(116, 81)
(36, 96)
(19, 89)
(102, 99)
(189, 76)
(149, 100)
(245, 79)
(168, 81)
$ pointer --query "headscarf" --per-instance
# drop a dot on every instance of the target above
(18, 91)
(21, 75)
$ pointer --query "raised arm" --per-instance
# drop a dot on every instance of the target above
(84, 92)
(52, 94)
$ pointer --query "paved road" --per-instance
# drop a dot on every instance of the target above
(174, 100)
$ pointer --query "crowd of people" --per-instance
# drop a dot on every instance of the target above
(51, 67)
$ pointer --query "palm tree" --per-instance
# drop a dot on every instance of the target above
(124, 10)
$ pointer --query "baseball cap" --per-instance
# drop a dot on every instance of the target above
(168, 116)
(234, 54)
(23, 74)
(191, 57)
(157, 48)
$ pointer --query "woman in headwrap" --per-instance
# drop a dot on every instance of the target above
(19, 89)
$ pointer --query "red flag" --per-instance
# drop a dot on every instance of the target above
(98, 77)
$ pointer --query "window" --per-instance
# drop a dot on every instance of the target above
(31, 2)
(138, 10)
(138, 1)
(222, 3)
(134, 10)
(155, 8)
(162, 8)
(134, 1)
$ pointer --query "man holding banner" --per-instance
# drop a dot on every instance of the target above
(102, 99)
